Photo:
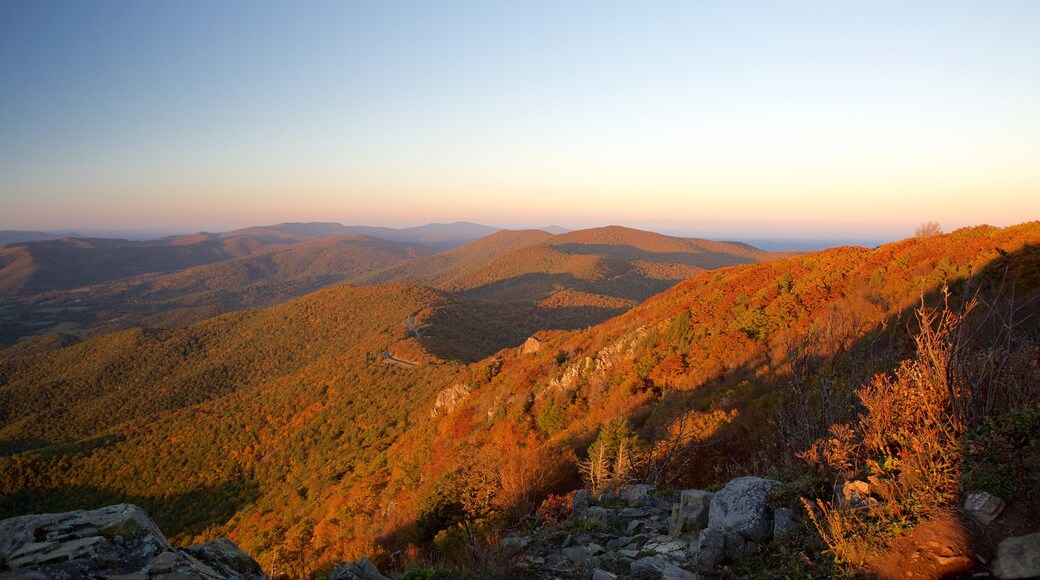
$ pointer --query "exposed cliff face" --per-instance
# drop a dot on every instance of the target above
(118, 540)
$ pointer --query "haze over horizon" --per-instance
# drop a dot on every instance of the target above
(742, 121)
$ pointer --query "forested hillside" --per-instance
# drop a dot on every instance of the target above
(312, 432)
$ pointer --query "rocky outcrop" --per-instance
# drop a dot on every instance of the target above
(636, 534)
(1018, 557)
(531, 346)
(448, 399)
(118, 540)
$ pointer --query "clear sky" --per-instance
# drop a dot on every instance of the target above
(760, 119)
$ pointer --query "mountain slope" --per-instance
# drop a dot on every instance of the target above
(316, 444)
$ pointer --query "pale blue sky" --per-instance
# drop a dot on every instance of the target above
(776, 118)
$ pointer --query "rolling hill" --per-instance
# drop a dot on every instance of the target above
(573, 279)
(288, 429)
(43, 266)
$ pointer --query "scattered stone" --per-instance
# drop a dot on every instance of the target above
(853, 494)
(595, 549)
(673, 572)
(608, 497)
(362, 569)
(637, 495)
(598, 514)
(784, 522)
(710, 549)
(580, 556)
(599, 574)
(1018, 557)
(514, 545)
(690, 515)
(983, 506)
(635, 526)
(632, 513)
(581, 502)
(629, 553)
(740, 507)
(649, 567)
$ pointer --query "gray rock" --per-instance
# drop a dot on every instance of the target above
(362, 569)
(581, 502)
(637, 495)
(119, 540)
(740, 507)
(514, 545)
(599, 574)
(649, 567)
(226, 558)
(710, 549)
(673, 572)
(983, 506)
(690, 515)
(1018, 557)
(608, 497)
(784, 522)
(636, 526)
(579, 555)
(595, 549)
(666, 546)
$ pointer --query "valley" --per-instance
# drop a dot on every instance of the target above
(307, 418)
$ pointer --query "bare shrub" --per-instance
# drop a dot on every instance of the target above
(928, 229)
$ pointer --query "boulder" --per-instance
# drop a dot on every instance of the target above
(784, 522)
(637, 495)
(673, 572)
(581, 556)
(226, 558)
(983, 506)
(1018, 557)
(514, 545)
(608, 497)
(362, 569)
(581, 502)
(118, 540)
(690, 515)
(649, 567)
(598, 514)
(709, 549)
(740, 507)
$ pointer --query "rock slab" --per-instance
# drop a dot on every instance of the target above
(1018, 557)
(118, 540)
(740, 507)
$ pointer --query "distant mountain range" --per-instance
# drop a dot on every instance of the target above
(89, 285)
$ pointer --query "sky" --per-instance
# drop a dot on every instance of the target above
(721, 119)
